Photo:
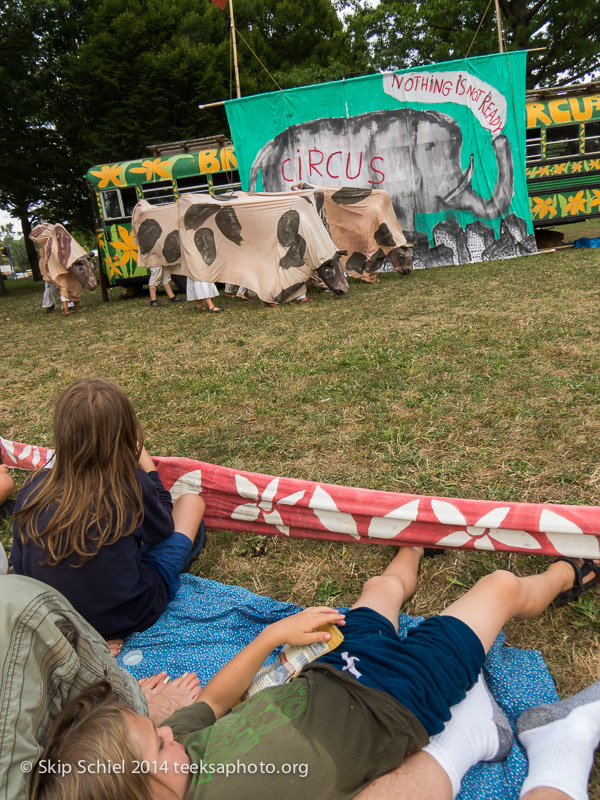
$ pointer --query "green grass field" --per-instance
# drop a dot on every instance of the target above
(471, 381)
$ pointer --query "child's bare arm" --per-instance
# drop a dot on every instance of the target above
(231, 682)
(7, 484)
(146, 462)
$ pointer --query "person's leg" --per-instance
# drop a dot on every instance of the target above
(420, 778)
(168, 291)
(188, 511)
(387, 592)
(478, 730)
(170, 557)
(501, 596)
(560, 739)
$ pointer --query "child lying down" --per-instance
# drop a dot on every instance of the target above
(349, 717)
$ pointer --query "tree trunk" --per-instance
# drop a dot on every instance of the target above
(32, 255)
(3, 290)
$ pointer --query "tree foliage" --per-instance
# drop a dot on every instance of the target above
(404, 33)
(95, 81)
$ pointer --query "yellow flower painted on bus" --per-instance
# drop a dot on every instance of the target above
(109, 173)
(545, 170)
(126, 245)
(595, 199)
(593, 163)
(155, 168)
(576, 204)
(544, 207)
(576, 166)
(560, 169)
(114, 268)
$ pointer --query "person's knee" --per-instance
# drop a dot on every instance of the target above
(384, 584)
(193, 504)
(503, 585)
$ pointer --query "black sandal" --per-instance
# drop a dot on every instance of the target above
(579, 587)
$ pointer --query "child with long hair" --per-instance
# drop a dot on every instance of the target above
(349, 717)
(99, 526)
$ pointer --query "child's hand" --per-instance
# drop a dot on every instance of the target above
(299, 629)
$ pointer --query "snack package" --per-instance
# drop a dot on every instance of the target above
(291, 660)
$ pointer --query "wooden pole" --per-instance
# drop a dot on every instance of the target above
(235, 63)
(498, 23)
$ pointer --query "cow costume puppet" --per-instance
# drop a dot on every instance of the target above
(270, 243)
(362, 222)
(64, 262)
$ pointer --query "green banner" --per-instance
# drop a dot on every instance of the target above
(446, 141)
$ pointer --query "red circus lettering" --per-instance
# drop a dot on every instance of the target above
(310, 161)
(312, 166)
(353, 177)
(378, 171)
(337, 153)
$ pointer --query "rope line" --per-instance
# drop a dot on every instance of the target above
(479, 28)
(258, 59)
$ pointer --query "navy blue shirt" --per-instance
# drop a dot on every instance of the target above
(113, 591)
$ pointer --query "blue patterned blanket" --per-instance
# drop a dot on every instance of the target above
(209, 622)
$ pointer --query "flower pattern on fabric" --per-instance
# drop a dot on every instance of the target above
(263, 504)
(567, 537)
(328, 514)
(188, 483)
(394, 522)
(484, 532)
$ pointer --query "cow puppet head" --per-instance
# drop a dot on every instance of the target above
(332, 274)
(83, 270)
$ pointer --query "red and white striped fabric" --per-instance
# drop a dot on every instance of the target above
(248, 501)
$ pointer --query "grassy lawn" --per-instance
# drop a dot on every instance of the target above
(472, 381)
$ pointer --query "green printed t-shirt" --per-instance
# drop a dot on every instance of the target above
(321, 736)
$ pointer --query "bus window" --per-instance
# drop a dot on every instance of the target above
(533, 144)
(592, 137)
(562, 140)
(225, 182)
(197, 183)
(111, 204)
(118, 203)
(157, 194)
(128, 200)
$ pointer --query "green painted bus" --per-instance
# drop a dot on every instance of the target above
(206, 165)
(563, 154)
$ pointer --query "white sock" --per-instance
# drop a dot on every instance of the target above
(470, 736)
(561, 753)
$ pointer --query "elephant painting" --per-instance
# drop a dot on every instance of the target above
(414, 155)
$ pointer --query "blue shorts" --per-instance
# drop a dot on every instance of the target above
(168, 559)
(428, 672)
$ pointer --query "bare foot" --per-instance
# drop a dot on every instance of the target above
(165, 698)
(115, 646)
